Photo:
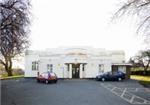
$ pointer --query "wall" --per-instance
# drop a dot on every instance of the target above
(58, 58)
(28, 65)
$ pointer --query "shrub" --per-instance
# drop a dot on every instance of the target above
(140, 72)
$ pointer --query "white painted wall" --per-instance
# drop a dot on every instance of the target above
(58, 57)
(28, 65)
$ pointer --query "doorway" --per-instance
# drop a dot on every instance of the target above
(75, 70)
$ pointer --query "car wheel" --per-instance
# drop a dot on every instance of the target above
(96, 78)
(55, 81)
(119, 79)
(38, 80)
(103, 79)
(46, 81)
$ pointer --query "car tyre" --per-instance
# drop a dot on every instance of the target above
(103, 79)
(38, 80)
(55, 81)
(96, 79)
(46, 81)
(119, 79)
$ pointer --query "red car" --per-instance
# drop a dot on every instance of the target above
(47, 77)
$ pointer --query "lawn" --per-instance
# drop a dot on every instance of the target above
(144, 80)
(11, 77)
(140, 78)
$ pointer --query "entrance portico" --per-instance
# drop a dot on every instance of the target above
(76, 70)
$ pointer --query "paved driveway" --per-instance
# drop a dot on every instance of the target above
(72, 92)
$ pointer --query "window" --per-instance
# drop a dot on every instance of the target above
(114, 68)
(50, 67)
(35, 65)
(101, 68)
(122, 69)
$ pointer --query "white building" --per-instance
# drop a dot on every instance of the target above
(83, 62)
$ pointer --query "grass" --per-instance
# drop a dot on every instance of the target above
(12, 77)
(144, 80)
(140, 78)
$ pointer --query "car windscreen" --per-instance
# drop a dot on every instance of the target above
(45, 75)
(52, 74)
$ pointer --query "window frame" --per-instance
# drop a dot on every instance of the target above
(101, 68)
(35, 65)
(50, 67)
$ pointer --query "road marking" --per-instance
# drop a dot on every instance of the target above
(131, 100)
(123, 92)
(137, 89)
(113, 88)
(126, 95)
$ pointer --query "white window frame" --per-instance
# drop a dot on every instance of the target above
(50, 67)
(35, 66)
(101, 68)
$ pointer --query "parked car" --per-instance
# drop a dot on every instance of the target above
(109, 76)
(47, 77)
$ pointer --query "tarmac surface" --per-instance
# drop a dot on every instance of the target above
(73, 92)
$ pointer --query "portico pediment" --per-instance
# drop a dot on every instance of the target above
(77, 53)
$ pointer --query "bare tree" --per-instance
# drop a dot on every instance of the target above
(141, 60)
(14, 22)
(140, 8)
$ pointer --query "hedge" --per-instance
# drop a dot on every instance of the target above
(140, 73)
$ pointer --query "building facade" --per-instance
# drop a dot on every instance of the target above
(83, 62)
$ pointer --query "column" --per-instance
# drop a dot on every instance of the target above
(70, 70)
(81, 71)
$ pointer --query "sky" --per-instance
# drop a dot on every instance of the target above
(69, 23)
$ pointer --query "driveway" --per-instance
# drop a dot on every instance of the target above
(73, 92)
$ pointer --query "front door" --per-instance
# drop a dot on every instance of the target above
(75, 70)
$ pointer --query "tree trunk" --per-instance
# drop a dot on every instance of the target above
(9, 72)
(8, 67)
(145, 71)
(145, 68)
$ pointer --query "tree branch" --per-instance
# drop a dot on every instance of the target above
(2, 62)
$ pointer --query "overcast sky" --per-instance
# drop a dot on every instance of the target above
(81, 23)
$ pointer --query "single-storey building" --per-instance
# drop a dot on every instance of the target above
(75, 62)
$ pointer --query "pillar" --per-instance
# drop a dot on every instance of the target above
(70, 70)
(81, 70)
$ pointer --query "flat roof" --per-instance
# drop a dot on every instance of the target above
(122, 64)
